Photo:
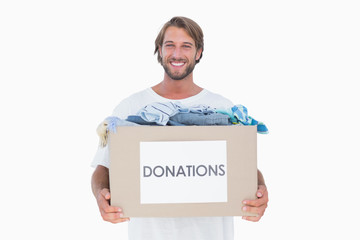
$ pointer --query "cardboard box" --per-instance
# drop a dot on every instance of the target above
(183, 171)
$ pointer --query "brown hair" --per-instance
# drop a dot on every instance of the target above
(191, 27)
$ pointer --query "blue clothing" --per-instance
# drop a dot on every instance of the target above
(160, 113)
(113, 122)
(239, 115)
(138, 120)
(174, 114)
(187, 119)
(200, 119)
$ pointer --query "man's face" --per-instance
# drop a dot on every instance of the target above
(178, 53)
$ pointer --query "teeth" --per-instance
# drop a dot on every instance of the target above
(177, 64)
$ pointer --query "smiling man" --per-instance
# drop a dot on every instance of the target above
(179, 46)
(178, 53)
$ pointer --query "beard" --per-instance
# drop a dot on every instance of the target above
(178, 75)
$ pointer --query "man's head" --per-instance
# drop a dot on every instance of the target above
(179, 46)
(191, 27)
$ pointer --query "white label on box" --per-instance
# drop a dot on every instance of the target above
(183, 172)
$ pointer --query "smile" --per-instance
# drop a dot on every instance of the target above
(177, 64)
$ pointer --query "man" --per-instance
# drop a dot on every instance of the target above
(179, 46)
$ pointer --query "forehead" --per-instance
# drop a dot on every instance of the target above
(175, 34)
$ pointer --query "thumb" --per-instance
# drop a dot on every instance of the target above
(107, 196)
(106, 193)
(260, 191)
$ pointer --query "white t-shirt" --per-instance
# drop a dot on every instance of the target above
(183, 228)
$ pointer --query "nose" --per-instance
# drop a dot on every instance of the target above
(177, 52)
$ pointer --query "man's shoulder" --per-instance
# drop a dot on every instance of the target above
(135, 96)
(132, 103)
(216, 100)
(214, 94)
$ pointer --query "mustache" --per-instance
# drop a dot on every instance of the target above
(177, 60)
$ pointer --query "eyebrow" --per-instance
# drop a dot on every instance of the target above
(183, 42)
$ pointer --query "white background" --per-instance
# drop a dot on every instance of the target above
(64, 65)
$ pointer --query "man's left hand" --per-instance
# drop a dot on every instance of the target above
(258, 205)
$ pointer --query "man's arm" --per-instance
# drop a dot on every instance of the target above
(260, 204)
(100, 187)
(261, 180)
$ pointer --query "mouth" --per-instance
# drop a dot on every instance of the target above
(177, 64)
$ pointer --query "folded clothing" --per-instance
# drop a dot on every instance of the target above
(200, 119)
(160, 113)
(174, 114)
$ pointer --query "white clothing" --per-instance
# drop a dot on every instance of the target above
(194, 228)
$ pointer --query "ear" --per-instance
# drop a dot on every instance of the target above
(198, 54)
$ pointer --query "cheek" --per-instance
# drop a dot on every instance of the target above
(162, 52)
(165, 54)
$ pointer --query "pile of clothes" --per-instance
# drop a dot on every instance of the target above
(175, 114)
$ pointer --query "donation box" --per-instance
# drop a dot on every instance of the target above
(183, 171)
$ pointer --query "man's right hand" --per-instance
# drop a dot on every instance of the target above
(109, 213)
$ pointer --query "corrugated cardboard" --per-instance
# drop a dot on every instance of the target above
(125, 169)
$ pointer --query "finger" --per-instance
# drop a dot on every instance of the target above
(262, 190)
(252, 219)
(120, 220)
(263, 200)
(110, 216)
(256, 210)
(106, 207)
(114, 217)
(112, 209)
(256, 203)
(105, 193)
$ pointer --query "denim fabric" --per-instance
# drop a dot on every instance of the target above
(200, 119)
(139, 120)
(161, 112)
(186, 119)
(174, 123)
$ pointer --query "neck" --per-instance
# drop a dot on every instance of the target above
(177, 89)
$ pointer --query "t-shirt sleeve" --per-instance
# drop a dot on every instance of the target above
(122, 110)
(101, 157)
